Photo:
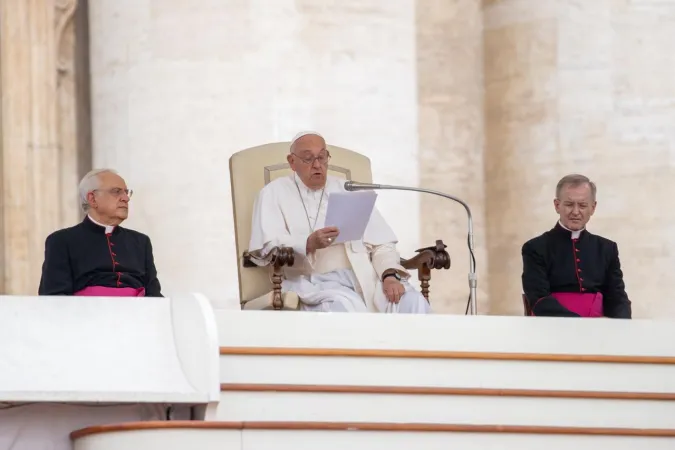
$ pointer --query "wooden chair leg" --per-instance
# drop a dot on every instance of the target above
(277, 277)
(424, 275)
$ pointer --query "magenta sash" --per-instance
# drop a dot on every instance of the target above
(584, 304)
(101, 291)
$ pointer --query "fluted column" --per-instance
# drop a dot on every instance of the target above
(33, 166)
(74, 121)
(31, 193)
(450, 124)
(588, 87)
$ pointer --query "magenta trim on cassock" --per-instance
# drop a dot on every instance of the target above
(101, 291)
(584, 304)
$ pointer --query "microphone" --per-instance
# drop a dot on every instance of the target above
(356, 186)
(473, 279)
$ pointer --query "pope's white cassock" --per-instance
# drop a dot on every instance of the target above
(340, 278)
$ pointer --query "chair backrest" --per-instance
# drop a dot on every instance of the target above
(250, 170)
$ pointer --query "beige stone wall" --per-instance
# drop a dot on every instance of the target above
(178, 87)
(450, 127)
(581, 86)
(491, 101)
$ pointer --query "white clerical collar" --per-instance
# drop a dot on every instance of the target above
(575, 234)
(108, 228)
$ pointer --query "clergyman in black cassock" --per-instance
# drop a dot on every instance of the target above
(568, 271)
(98, 257)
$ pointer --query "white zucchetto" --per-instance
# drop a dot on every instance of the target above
(305, 133)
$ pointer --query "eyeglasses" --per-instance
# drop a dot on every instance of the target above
(323, 159)
(117, 192)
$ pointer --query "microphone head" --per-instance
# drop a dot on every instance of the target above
(356, 186)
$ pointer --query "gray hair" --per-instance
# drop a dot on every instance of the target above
(90, 182)
(574, 180)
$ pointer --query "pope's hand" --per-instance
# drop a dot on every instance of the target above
(393, 289)
(321, 238)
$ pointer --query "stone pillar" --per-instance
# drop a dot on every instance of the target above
(34, 164)
(31, 188)
(450, 126)
(588, 87)
(74, 124)
(521, 154)
(177, 87)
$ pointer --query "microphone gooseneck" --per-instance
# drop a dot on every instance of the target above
(473, 279)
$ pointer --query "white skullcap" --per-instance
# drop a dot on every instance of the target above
(305, 133)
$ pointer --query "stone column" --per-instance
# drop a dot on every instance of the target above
(588, 87)
(74, 123)
(450, 126)
(31, 189)
(33, 165)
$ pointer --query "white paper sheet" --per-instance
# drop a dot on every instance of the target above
(350, 213)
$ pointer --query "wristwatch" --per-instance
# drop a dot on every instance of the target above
(392, 274)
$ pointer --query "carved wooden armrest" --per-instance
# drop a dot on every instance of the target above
(281, 256)
(435, 257)
(276, 259)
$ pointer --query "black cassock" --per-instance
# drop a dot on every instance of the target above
(84, 256)
(554, 262)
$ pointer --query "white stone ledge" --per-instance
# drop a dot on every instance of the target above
(355, 436)
(101, 349)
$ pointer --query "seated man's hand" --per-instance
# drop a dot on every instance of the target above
(321, 238)
(393, 289)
